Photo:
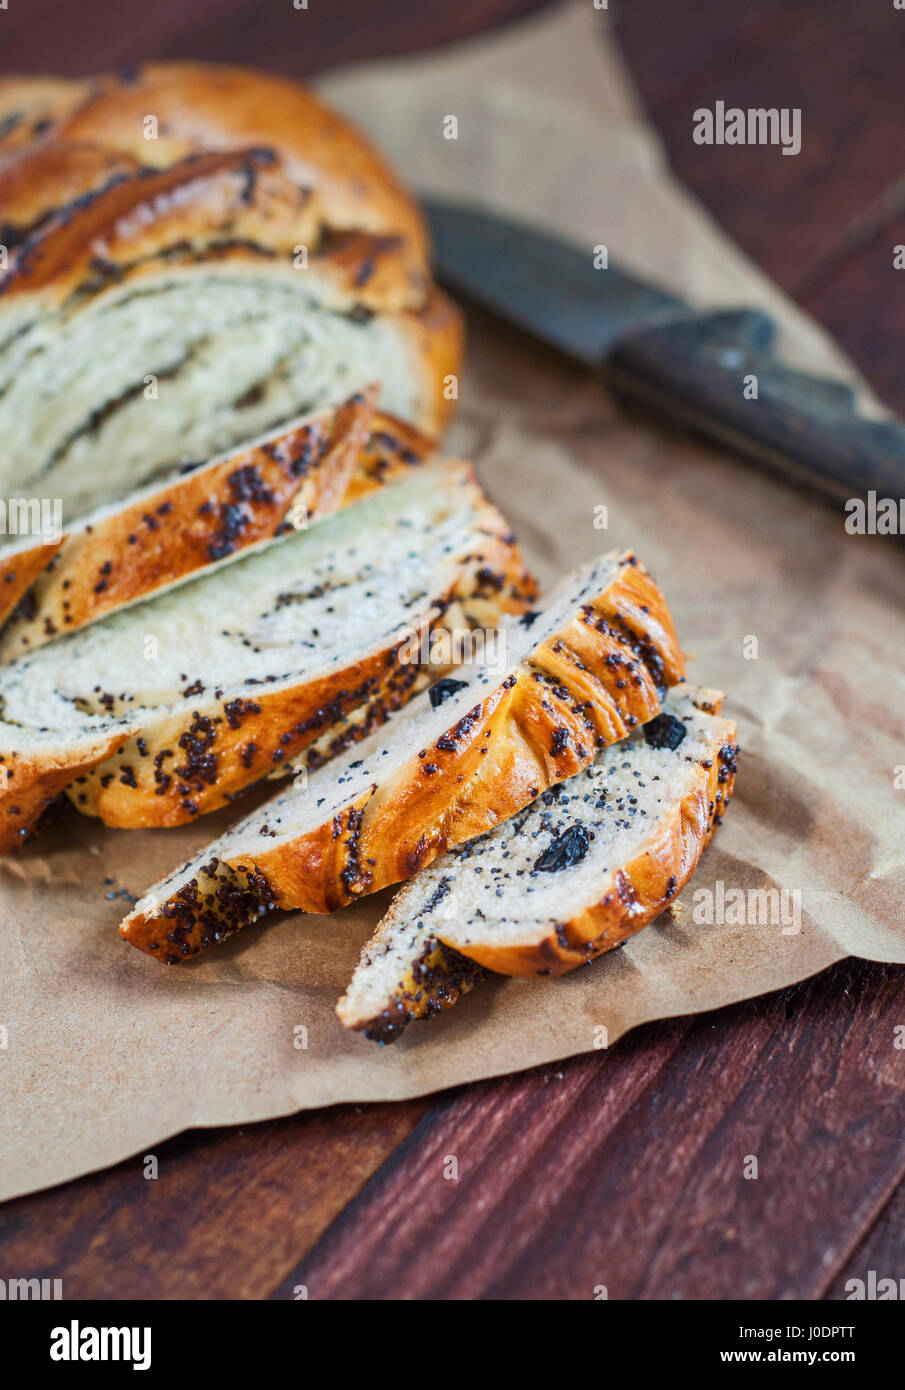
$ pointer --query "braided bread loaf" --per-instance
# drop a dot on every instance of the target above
(192, 256)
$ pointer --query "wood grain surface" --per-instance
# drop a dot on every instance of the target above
(824, 222)
(628, 1171)
(225, 1217)
(622, 1169)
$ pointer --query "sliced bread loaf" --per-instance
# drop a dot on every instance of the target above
(468, 752)
(193, 256)
(206, 687)
(589, 863)
(127, 550)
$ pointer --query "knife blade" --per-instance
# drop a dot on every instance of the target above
(716, 373)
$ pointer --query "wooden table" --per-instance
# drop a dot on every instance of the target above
(621, 1168)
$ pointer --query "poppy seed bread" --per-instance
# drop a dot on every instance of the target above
(584, 867)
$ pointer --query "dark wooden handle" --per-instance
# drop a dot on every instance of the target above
(719, 374)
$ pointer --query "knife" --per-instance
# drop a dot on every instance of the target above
(716, 373)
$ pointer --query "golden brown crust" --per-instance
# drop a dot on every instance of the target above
(19, 571)
(371, 272)
(438, 330)
(131, 223)
(37, 181)
(236, 206)
(32, 107)
(170, 770)
(188, 524)
(29, 784)
(392, 448)
(581, 690)
(201, 107)
(193, 764)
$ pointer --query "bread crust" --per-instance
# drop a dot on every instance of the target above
(189, 523)
(584, 688)
(208, 107)
(195, 763)
(41, 179)
(18, 571)
(31, 108)
(202, 106)
(124, 227)
(437, 330)
(28, 785)
(392, 448)
(213, 204)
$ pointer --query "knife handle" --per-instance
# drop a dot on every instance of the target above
(718, 372)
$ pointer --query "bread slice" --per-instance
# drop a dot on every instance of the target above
(584, 867)
(119, 553)
(470, 751)
(208, 686)
(160, 535)
(392, 448)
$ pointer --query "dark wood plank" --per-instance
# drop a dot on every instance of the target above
(841, 62)
(626, 1170)
(672, 46)
(882, 1251)
(863, 303)
(229, 1213)
(58, 36)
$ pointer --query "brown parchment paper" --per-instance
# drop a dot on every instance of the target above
(105, 1052)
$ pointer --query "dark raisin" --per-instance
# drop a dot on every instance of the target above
(665, 731)
(566, 849)
(442, 690)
